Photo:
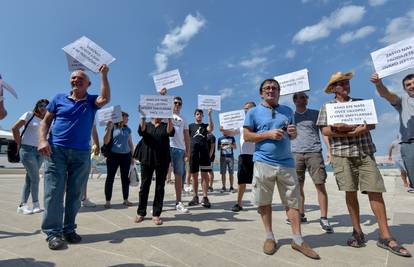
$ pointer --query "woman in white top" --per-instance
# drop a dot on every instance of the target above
(29, 156)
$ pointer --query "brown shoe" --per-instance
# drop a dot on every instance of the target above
(269, 247)
(306, 250)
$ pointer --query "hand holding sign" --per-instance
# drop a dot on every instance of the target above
(111, 114)
(8, 87)
(156, 106)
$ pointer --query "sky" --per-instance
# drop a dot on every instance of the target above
(220, 47)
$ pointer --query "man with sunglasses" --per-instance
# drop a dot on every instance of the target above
(67, 152)
(271, 127)
(307, 150)
(353, 161)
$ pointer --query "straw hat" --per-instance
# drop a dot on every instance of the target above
(336, 77)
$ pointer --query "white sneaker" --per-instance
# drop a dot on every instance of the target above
(24, 209)
(36, 207)
(88, 204)
(180, 207)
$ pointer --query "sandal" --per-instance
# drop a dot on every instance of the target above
(139, 219)
(127, 203)
(385, 244)
(157, 220)
(357, 240)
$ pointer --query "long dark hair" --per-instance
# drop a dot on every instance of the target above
(39, 104)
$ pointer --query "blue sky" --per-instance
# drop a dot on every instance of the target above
(220, 47)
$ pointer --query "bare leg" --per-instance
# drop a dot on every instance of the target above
(242, 188)
(204, 183)
(211, 177)
(294, 218)
(178, 186)
(302, 197)
(404, 178)
(322, 199)
(266, 215)
(353, 209)
(231, 178)
(195, 183)
(223, 179)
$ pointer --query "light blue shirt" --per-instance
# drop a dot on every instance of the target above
(274, 152)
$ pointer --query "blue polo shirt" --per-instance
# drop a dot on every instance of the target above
(273, 152)
(73, 121)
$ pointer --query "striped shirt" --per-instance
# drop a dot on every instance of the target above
(355, 146)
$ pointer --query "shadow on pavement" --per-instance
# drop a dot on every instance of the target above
(5, 234)
(25, 262)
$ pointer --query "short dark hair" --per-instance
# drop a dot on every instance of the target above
(295, 95)
(198, 110)
(268, 80)
(250, 103)
(40, 103)
(408, 77)
(178, 98)
(125, 114)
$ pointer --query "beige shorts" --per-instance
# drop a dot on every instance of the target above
(354, 172)
(265, 177)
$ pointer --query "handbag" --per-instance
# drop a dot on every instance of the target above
(133, 175)
(106, 148)
(13, 155)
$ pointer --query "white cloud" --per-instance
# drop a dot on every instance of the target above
(355, 35)
(399, 28)
(175, 41)
(253, 62)
(347, 15)
(262, 50)
(377, 2)
(226, 92)
(291, 53)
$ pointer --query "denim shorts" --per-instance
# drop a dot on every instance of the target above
(177, 160)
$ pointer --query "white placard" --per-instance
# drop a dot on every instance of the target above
(156, 106)
(232, 119)
(73, 64)
(88, 53)
(113, 114)
(8, 87)
(355, 112)
(293, 82)
(209, 101)
(168, 80)
(394, 58)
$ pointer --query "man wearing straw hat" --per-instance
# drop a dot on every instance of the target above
(353, 161)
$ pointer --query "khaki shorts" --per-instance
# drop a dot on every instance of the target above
(351, 172)
(265, 177)
(313, 162)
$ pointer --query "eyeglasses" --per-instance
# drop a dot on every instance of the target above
(178, 103)
(270, 88)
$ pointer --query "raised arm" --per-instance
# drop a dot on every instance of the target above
(108, 131)
(210, 126)
(3, 111)
(383, 90)
(105, 96)
(44, 146)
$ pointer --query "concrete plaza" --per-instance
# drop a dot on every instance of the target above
(204, 237)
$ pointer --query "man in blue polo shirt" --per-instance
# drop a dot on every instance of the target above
(270, 126)
(68, 154)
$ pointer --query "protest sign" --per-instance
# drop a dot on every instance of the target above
(88, 53)
(355, 112)
(8, 87)
(293, 82)
(168, 80)
(73, 64)
(232, 119)
(209, 101)
(394, 58)
(113, 114)
(156, 106)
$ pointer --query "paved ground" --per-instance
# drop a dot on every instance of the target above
(205, 237)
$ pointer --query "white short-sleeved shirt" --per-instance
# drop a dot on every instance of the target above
(31, 135)
(180, 124)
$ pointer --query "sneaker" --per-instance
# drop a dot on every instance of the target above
(24, 209)
(188, 189)
(72, 238)
(306, 250)
(232, 190)
(410, 190)
(210, 189)
(223, 189)
(269, 247)
(206, 203)
(326, 226)
(87, 203)
(194, 201)
(180, 207)
(237, 208)
(55, 242)
(36, 207)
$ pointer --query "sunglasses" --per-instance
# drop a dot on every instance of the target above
(42, 106)
(178, 103)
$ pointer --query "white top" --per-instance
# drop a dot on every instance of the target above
(180, 124)
(31, 135)
(246, 147)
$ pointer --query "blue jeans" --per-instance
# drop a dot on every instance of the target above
(177, 160)
(32, 160)
(66, 171)
(407, 154)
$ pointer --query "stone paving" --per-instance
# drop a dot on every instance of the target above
(204, 237)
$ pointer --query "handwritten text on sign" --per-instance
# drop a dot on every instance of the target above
(355, 112)
(293, 82)
(232, 119)
(394, 58)
(156, 106)
(113, 114)
(167, 80)
(209, 101)
(88, 53)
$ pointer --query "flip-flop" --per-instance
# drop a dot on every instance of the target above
(139, 219)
